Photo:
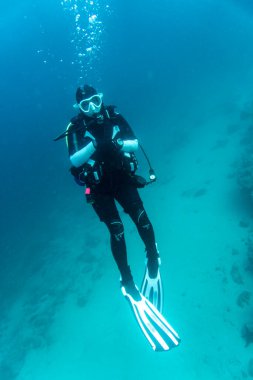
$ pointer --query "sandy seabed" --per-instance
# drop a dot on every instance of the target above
(72, 322)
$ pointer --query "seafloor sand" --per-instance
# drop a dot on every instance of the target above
(72, 322)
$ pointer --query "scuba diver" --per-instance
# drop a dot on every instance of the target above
(101, 147)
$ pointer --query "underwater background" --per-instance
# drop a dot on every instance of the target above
(181, 72)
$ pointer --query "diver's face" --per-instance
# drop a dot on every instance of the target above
(91, 106)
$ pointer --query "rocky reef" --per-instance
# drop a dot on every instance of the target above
(247, 333)
(245, 175)
(245, 163)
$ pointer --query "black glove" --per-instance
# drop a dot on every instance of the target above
(117, 144)
(102, 146)
(108, 145)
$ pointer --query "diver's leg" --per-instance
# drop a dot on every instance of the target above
(131, 202)
(146, 232)
(107, 212)
(118, 246)
(106, 209)
(118, 243)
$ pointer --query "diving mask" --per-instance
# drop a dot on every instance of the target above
(91, 105)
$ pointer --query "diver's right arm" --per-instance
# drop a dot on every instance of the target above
(81, 156)
(80, 150)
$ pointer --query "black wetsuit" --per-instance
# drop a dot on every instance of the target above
(115, 182)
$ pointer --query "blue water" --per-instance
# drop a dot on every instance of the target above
(180, 72)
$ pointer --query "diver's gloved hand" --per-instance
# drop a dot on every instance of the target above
(102, 146)
(108, 145)
(117, 144)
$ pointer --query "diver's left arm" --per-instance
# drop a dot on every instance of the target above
(130, 146)
(129, 141)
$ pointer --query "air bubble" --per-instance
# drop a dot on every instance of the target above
(88, 17)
